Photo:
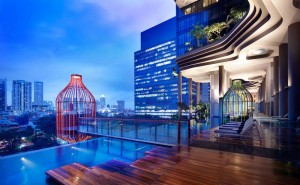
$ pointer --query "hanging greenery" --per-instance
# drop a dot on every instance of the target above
(234, 16)
(198, 33)
(213, 32)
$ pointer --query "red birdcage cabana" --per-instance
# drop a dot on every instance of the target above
(74, 101)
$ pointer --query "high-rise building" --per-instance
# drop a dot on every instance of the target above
(102, 102)
(120, 106)
(38, 93)
(21, 96)
(3, 95)
(156, 86)
(205, 92)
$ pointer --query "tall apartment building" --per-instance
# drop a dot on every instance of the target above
(3, 95)
(155, 86)
(21, 96)
(205, 92)
(38, 93)
(102, 102)
(120, 106)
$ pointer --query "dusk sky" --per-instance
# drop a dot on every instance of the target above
(48, 40)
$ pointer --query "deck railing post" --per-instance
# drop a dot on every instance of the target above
(155, 132)
(179, 133)
(108, 127)
(121, 124)
(189, 131)
(136, 130)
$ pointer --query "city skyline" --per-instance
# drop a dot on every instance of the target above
(82, 37)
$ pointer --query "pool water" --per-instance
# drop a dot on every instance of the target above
(30, 167)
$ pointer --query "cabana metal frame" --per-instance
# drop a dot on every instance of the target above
(74, 101)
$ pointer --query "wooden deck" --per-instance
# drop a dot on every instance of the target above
(185, 165)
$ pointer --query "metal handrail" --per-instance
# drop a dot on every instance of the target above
(121, 127)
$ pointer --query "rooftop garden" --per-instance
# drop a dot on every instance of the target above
(211, 33)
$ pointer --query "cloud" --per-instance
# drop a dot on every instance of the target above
(95, 38)
(134, 15)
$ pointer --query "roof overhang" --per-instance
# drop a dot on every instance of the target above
(183, 3)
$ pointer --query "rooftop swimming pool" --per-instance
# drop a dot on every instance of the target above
(30, 167)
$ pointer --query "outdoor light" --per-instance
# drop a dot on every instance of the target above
(260, 51)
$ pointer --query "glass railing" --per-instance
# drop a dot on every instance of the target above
(168, 132)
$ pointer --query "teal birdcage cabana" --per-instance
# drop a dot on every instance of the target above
(237, 103)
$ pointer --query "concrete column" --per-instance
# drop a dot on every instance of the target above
(294, 71)
(221, 81)
(190, 97)
(198, 92)
(214, 99)
(179, 93)
(263, 93)
(260, 99)
(283, 79)
(276, 86)
(221, 91)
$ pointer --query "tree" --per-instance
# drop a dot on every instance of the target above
(213, 32)
(11, 136)
(234, 16)
(43, 142)
(23, 119)
(182, 106)
(47, 125)
(198, 33)
(26, 133)
(189, 45)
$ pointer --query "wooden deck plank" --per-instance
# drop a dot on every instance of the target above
(120, 177)
(184, 165)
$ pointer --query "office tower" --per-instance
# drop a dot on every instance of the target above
(38, 93)
(102, 102)
(98, 105)
(205, 92)
(120, 106)
(21, 96)
(3, 95)
(156, 85)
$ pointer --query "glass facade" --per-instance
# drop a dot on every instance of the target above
(3, 95)
(156, 87)
(205, 92)
(38, 93)
(21, 96)
(202, 12)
